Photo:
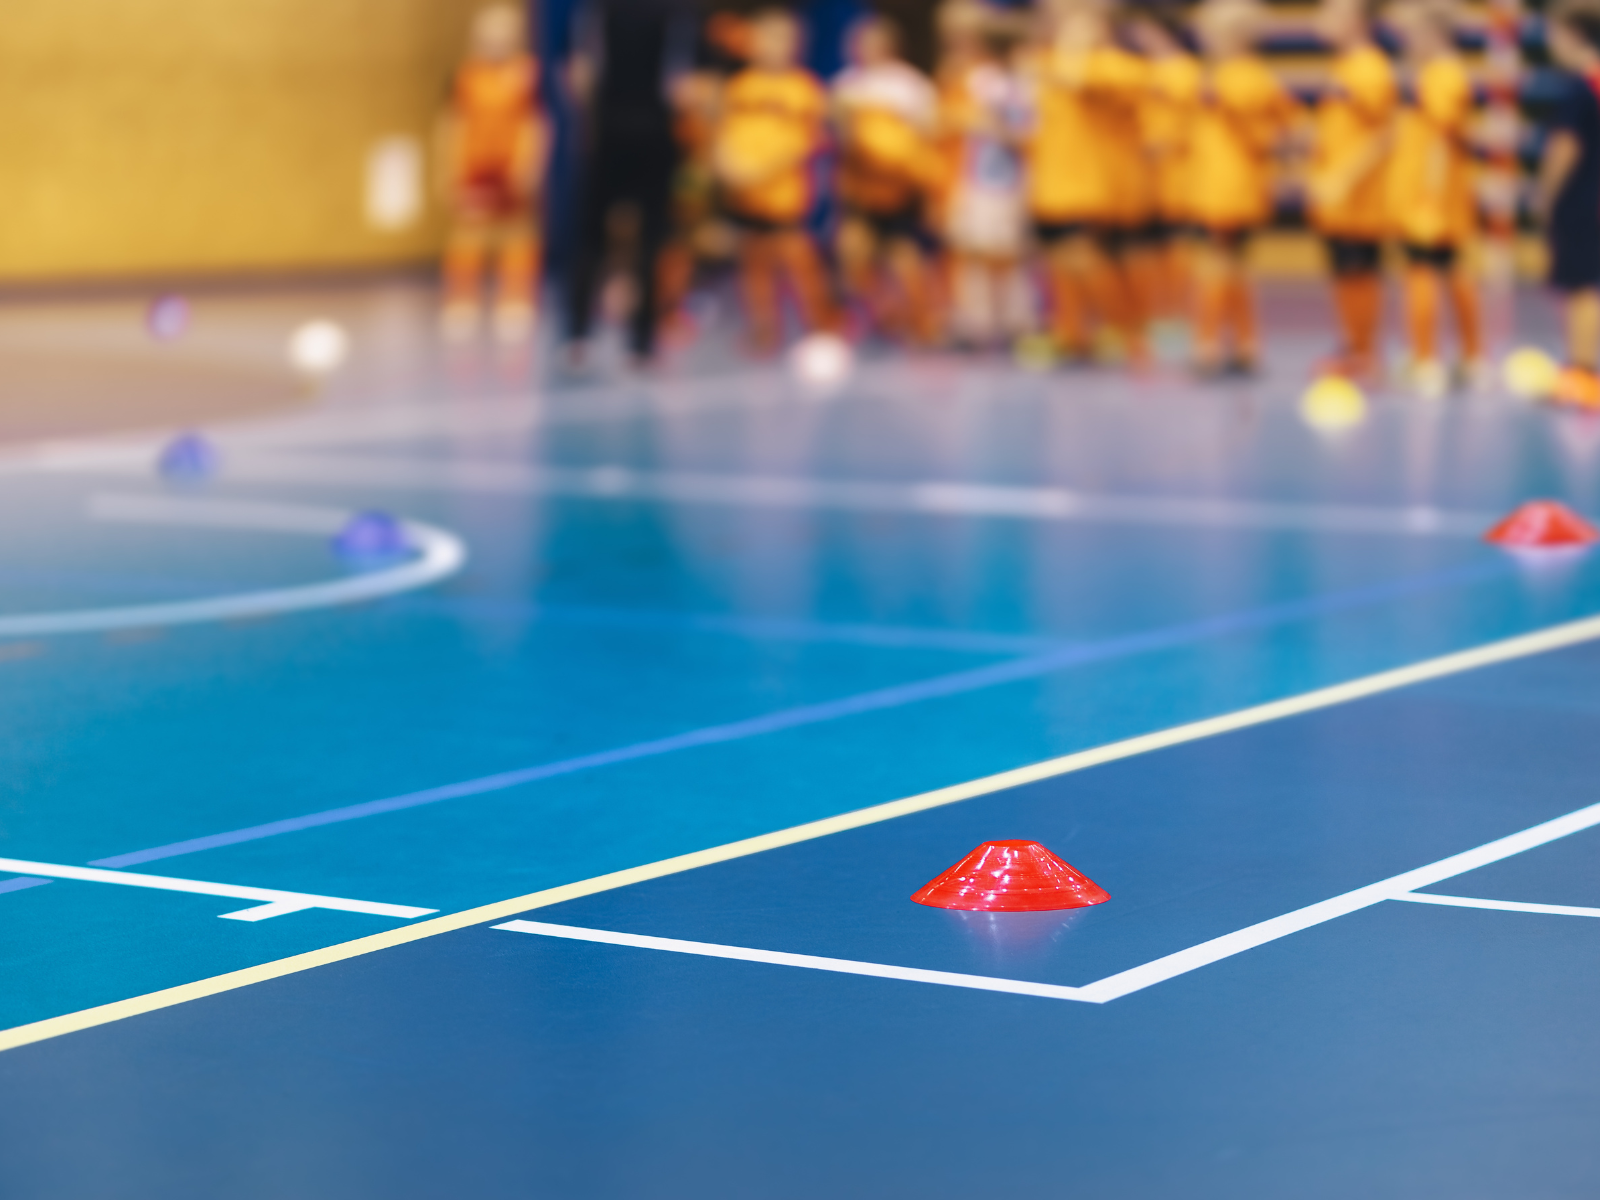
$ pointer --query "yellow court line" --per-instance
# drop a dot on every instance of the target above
(1572, 633)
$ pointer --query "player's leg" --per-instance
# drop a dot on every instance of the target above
(587, 261)
(654, 201)
(1211, 302)
(1069, 321)
(802, 268)
(1579, 381)
(1354, 265)
(855, 249)
(758, 280)
(1583, 329)
(1421, 285)
(1468, 313)
(465, 250)
(909, 269)
(516, 294)
(1240, 307)
(1143, 272)
(972, 305)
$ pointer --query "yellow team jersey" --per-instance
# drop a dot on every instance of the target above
(1244, 112)
(886, 117)
(771, 126)
(1086, 157)
(1430, 175)
(1166, 123)
(1352, 122)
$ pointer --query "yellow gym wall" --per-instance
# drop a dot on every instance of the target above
(177, 136)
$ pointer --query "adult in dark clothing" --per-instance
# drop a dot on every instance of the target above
(1567, 195)
(624, 55)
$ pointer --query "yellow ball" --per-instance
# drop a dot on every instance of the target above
(1529, 372)
(1333, 403)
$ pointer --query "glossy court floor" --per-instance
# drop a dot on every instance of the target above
(695, 673)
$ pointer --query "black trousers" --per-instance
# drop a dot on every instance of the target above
(622, 170)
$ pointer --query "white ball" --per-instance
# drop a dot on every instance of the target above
(822, 360)
(318, 347)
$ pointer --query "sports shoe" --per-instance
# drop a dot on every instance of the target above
(1427, 378)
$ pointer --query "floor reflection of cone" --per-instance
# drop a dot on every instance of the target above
(1018, 876)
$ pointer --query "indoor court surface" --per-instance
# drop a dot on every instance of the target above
(569, 853)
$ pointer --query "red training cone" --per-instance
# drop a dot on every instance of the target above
(1543, 523)
(1011, 877)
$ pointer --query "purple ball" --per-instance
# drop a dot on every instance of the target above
(167, 318)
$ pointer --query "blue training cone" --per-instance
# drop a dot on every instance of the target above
(188, 458)
(369, 535)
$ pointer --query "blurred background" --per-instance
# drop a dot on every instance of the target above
(182, 138)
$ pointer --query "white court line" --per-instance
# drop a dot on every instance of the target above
(273, 902)
(1573, 633)
(844, 966)
(440, 554)
(1555, 910)
(930, 497)
(933, 497)
(1113, 987)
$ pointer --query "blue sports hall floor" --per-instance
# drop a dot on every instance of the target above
(569, 853)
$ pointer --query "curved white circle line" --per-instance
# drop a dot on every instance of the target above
(440, 555)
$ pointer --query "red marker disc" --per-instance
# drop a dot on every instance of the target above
(1011, 877)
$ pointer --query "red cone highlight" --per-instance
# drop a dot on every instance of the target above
(1543, 523)
(1011, 877)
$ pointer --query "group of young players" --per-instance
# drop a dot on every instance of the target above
(1073, 173)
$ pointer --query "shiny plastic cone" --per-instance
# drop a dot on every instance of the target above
(1011, 877)
(1543, 523)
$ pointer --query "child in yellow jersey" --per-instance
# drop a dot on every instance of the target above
(1244, 115)
(976, 206)
(1353, 136)
(1087, 179)
(1166, 122)
(771, 127)
(885, 110)
(493, 142)
(1430, 193)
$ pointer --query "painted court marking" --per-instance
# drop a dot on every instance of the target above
(938, 687)
(1113, 987)
(1570, 634)
(272, 902)
(1554, 910)
(929, 497)
(440, 554)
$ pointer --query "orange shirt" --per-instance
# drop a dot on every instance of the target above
(1352, 122)
(1166, 123)
(1245, 112)
(1086, 157)
(495, 107)
(771, 126)
(1430, 175)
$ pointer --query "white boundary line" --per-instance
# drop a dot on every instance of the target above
(440, 555)
(1113, 987)
(273, 902)
(1570, 634)
(930, 497)
(843, 965)
(1555, 910)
